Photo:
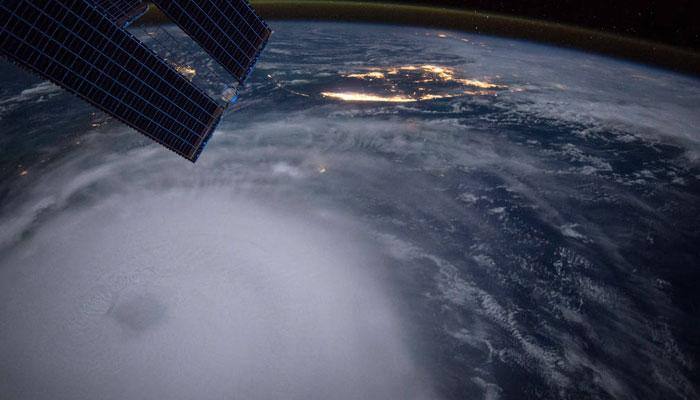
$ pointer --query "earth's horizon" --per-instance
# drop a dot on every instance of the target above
(480, 22)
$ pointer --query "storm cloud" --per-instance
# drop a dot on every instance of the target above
(191, 292)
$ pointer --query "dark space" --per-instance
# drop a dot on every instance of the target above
(673, 22)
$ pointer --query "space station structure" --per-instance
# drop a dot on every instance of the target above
(88, 47)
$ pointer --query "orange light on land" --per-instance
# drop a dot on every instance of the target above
(480, 84)
(434, 96)
(186, 71)
(355, 96)
(374, 74)
(420, 74)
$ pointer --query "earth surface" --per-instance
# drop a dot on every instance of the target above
(387, 213)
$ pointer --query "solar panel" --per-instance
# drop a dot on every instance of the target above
(73, 44)
(121, 12)
(229, 30)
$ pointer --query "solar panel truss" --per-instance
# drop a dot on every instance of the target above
(121, 12)
(80, 48)
(229, 30)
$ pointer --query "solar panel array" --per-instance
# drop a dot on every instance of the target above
(121, 11)
(229, 30)
(76, 46)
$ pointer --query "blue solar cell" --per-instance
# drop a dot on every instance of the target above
(76, 45)
(229, 30)
(121, 12)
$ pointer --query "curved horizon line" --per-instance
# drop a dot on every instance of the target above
(619, 46)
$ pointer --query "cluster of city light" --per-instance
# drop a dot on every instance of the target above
(446, 74)
(368, 75)
(356, 96)
(427, 74)
(186, 71)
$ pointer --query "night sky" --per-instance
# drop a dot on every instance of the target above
(673, 22)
